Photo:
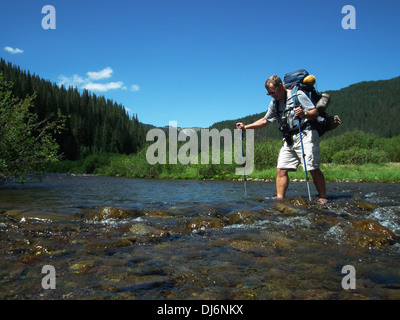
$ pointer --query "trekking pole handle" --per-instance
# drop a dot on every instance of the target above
(299, 112)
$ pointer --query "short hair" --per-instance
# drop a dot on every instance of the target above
(274, 79)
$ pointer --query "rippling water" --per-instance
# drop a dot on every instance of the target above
(118, 238)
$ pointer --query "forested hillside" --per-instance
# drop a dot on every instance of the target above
(370, 106)
(99, 125)
(94, 124)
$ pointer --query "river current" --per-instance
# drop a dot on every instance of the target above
(120, 238)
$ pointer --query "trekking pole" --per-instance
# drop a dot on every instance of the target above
(244, 171)
(304, 160)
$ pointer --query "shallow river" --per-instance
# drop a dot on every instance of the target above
(118, 238)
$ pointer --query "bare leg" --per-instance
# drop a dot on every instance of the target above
(319, 182)
(282, 183)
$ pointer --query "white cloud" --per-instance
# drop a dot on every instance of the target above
(91, 81)
(102, 74)
(135, 87)
(102, 87)
(74, 81)
(13, 50)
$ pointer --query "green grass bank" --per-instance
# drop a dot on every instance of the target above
(352, 156)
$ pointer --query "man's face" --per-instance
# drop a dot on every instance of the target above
(278, 93)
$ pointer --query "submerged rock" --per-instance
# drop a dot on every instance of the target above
(361, 204)
(141, 229)
(291, 205)
(374, 227)
(110, 213)
(205, 223)
(284, 208)
(242, 217)
(278, 240)
(245, 245)
(82, 266)
(366, 234)
(298, 202)
(159, 214)
(324, 220)
(12, 213)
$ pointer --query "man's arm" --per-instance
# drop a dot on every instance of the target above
(309, 114)
(307, 109)
(255, 125)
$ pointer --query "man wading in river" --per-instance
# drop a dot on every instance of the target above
(290, 154)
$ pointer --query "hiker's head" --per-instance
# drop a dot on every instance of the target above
(275, 87)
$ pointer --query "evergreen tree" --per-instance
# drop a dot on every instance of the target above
(26, 143)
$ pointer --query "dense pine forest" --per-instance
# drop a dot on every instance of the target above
(94, 124)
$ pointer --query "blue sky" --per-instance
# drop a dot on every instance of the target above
(199, 61)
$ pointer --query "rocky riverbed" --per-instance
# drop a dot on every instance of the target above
(173, 245)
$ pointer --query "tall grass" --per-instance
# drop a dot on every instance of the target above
(352, 156)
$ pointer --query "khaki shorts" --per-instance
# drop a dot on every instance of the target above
(291, 156)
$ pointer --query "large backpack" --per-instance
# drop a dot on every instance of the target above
(302, 80)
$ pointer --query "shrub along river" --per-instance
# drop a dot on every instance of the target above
(119, 238)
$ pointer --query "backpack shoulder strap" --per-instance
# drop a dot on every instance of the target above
(295, 98)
